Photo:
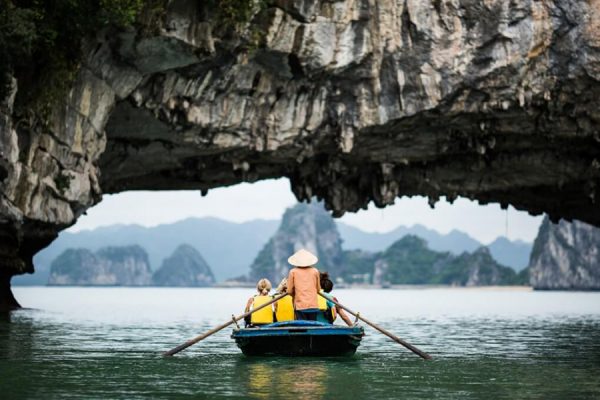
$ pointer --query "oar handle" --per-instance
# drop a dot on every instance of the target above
(380, 329)
(195, 340)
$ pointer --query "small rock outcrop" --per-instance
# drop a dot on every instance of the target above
(184, 268)
(306, 226)
(109, 266)
(566, 256)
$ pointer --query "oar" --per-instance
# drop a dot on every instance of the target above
(380, 329)
(218, 328)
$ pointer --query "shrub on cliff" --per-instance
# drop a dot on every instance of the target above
(40, 42)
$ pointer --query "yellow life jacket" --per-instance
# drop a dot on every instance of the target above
(322, 303)
(264, 315)
(285, 309)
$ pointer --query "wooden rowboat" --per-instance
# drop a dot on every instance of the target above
(299, 338)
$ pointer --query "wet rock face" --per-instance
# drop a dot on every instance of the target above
(566, 256)
(353, 100)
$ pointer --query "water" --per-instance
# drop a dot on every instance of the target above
(106, 343)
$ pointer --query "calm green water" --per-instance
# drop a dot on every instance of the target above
(487, 344)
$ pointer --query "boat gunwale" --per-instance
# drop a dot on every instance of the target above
(312, 328)
(297, 330)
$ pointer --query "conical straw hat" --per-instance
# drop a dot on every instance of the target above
(303, 258)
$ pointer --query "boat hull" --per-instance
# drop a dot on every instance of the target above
(299, 338)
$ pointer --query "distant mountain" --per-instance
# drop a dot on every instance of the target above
(455, 241)
(306, 226)
(109, 266)
(515, 253)
(226, 246)
(477, 269)
(411, 261)
(185, 268)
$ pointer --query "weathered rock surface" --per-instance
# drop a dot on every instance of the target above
(109, 266)
(353, 100)
(566, 256)
(185, 267)
(306, 226)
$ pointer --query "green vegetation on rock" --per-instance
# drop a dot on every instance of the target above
(121, 266)
(236, 12)
(41, 42)
(358, 266)
(474, 269)
(185, 267)
(410, 261)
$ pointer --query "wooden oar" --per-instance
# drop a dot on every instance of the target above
(380, 329)
(218, 328)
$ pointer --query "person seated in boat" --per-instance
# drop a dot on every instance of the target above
(303, 284)
(284, 308)
(329, 310)
(263, 316)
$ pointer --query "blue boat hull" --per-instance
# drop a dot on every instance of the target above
(299, 338)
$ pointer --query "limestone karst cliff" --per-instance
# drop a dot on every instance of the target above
(353, 100)
(566, 256)
(306, 226)
(185, 267)
(109, 266)
(129, 266)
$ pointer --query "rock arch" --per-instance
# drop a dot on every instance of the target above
(353, 100)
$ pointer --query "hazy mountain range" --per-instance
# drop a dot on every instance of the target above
(408, 261)
(229, 247)
(514, 254)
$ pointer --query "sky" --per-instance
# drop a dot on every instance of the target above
(269, 199)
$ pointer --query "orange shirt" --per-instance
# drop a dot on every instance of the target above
(304, 285)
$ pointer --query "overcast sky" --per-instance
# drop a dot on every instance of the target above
(269, 199)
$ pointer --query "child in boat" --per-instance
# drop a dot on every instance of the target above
(284, 308)
(330, 310)
(303, 284)
(265, 315)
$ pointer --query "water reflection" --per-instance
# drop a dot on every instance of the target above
(289, 378)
